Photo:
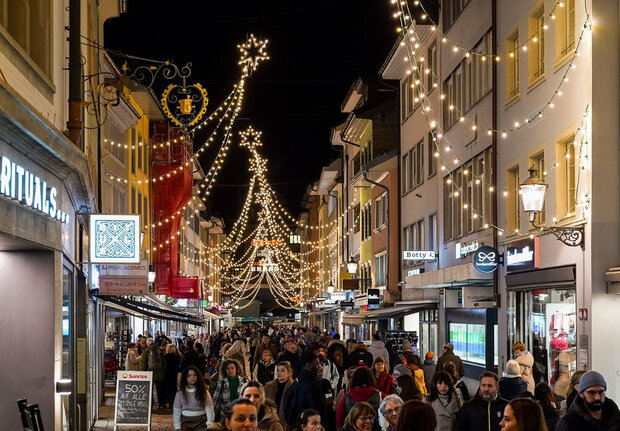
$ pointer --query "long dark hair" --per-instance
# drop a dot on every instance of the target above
(529, 414)
(544, 394)
(441, 377)
(419, 413)
(201, 387)
(362, 377)
(408, 389)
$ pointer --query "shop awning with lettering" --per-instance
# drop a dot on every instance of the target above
(397, 311)
(147, 310)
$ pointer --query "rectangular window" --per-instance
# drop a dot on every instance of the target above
(403, 98)
(432, 232)
(377, 213)
(406, 239)
(418, 235)
(564, 29)
(133, 200)
(380, 269)
(451, 9)
(356, 218)
(478, 193)
(139, 202)
(405, 173)
(447, 209)
(565, 174)
(538, 162)
(433, 153)
(571, 180)
(512, 66)
(457, 213)
(431, 66)
(132, 141)
(410, 95)
(139, 152)
(146, 211)
(469, 341)
(468, 185)
(385, 209)
(536, 56)
(512, 196)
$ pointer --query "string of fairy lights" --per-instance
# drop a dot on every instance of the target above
(410, 40)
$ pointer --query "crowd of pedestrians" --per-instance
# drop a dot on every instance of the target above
(284, 379)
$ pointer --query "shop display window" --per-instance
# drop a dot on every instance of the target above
(544, 320)
(469, 341)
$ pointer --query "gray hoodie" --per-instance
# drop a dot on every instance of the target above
(377, 349)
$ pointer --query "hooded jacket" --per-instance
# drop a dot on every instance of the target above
(510, 387)
(578, 418)
(360, 356)
(377, 349)
(356, 395)
(526, 362)
(451, 357)
(428, 366)
(270, 420)
(480, 415)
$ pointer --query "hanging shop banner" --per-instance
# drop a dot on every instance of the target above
(419, 255)
(338, 296)
(463, 249)
(486, 259)
(133, 398)
(374, 297)
(522, 254)
(478, 297)
(115, 238)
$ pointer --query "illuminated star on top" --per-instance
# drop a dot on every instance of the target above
(252, 52)
(251, 138)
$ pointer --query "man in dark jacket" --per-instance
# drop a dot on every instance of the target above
(591, 410)
(291, 355)
(449, 356)
(190, 357)
(486, 410)
(308, 391)
(360, 356)
(266, 344)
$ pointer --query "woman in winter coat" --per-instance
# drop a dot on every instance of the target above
(193, 407)
(415, 364)
(383, 380)
(459, 385)
(265, 368)
(226, 387)
(267, 415)
(407, 389)
(526, 362)
(173, 359)
(361, 388)
(444, 401)
(134, 360)
(544, 396)
(275, 389)
(512, 385)
(237, 352)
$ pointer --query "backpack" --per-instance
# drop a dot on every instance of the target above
(289, 404)
(154, 359)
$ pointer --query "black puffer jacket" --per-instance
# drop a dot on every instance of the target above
(511, 387)
(480, 415)
(578, 418)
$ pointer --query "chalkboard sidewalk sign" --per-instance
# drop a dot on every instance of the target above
(133, 398)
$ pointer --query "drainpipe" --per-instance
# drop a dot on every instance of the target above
(74, 123)
(346, 178)
(387, 191)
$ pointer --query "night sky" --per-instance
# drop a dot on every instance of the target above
(317, 49)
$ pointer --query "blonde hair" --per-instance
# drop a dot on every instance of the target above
(287, 366)
(518, 346)
(171, 348)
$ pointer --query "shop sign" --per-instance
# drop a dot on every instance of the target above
(463, 249)
(137, 270)
(114, 238)
(522, 255)
(338, 296)
(373, 297)
(413, 272)
(453, 298)
(486, 259)
(361, 301)
(478, 297)
(347, 303)
(123, 285)
(420, 255)
(29, 190)
(133, 398)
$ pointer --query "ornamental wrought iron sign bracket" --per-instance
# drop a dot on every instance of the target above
(572, 236)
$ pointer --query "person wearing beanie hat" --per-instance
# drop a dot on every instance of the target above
(428, 366)
(400, 370)
(592, 410)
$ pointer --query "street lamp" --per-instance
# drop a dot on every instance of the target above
(533, 192)
(352, 266)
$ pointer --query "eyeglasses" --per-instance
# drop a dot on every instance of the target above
(390, 412)
(593, 393)
(367, 418)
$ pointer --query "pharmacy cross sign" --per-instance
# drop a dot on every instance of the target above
(114, 238)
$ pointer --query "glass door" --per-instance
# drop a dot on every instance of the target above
(68, 410)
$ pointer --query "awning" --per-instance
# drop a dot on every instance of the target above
(324, 311)
(353, 319)
(148, 310)
(454, 276)
(557, 277)
(393, 312)
(209, 315)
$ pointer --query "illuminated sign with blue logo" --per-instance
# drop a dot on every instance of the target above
(114, 238)
(486, 259)
(29, 190)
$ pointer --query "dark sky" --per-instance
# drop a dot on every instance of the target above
(317, 49)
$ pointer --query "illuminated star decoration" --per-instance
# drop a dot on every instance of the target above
(252, 52)
(251, 138)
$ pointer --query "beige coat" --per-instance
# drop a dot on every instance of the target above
(526, 363)
(133, 361)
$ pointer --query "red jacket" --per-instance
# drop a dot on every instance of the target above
(384, 383)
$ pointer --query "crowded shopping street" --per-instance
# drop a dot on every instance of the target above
(332, 215)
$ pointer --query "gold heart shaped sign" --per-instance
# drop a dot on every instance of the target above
(185, 105)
